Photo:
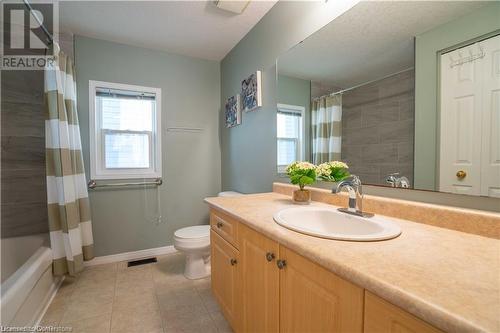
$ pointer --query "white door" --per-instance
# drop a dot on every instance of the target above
(460, 143)
(490, 152)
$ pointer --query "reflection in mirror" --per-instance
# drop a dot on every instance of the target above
(290, 134)
(356, 91)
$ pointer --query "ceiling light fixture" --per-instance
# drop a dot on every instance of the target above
(233, 6)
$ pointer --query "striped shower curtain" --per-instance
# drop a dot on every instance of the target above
(326, 117)
(67, 198)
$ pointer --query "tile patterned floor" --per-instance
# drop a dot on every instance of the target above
(153, 298)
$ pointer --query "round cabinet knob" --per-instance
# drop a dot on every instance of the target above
(233, 262)
(270, 256)
(461, 174)
(219, 225)
(281, 263)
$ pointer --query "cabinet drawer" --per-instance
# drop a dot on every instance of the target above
(225, 226)
(381, 316)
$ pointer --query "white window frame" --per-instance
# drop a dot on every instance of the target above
(98, 171)
(302, 131)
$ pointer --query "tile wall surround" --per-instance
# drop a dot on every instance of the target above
(24, 196)
(378, 128)
(471, 221)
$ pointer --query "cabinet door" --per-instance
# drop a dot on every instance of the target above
(314, 299)
(225, 277)
(381, 316)
(260, 280)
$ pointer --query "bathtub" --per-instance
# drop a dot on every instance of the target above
(27, 285)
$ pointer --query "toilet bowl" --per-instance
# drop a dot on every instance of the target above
(194, 242)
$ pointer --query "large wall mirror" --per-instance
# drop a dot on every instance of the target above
(406, 93)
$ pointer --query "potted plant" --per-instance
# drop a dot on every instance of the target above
(333, 171)
(302, 174)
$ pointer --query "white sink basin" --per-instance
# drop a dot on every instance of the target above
(329, 223)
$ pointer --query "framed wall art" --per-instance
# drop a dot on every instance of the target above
(233, 111)
(251, 92)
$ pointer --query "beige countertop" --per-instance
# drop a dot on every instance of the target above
(448, 278)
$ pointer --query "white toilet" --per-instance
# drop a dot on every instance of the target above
(194, 242)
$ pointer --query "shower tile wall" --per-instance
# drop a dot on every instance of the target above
(378, 128)
(24, 199)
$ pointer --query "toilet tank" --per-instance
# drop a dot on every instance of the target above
(229, 194)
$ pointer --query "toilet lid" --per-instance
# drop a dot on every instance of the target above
(197, 231)
(229, 194)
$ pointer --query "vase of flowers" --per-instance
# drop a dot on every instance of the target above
(302, 174)
(333, 171)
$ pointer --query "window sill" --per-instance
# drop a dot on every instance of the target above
(126, 176)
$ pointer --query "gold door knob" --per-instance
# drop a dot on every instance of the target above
(461, 174)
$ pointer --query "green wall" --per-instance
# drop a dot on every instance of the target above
(427, 46)
(122, 218)
(296, 91)
(249, 150)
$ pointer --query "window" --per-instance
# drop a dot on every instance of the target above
(290, 135)
(125, 135)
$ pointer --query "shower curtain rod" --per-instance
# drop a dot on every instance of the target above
(50, 39)
(366, 83)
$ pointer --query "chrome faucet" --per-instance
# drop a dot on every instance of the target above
(397, 181)
(355, 189)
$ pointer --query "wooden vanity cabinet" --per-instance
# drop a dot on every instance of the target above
(263, 286)
(282, 291)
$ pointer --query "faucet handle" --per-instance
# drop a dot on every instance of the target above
(356, 180)
(352, 183)
(352, 180)
(396, 180)
(392, 178)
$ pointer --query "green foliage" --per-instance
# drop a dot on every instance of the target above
(338, 174)
(333, 171)
(301, 173)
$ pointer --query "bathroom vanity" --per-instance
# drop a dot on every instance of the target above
(267, 278)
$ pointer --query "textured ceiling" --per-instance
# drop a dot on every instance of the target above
(193, 28)
(371, 40)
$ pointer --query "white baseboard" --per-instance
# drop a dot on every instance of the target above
(50, 297)
(157, 251)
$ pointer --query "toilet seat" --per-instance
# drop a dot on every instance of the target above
(194, 232)
(195, 237)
